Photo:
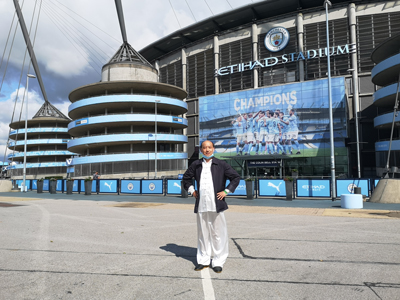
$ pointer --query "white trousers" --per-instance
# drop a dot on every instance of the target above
(212, 239)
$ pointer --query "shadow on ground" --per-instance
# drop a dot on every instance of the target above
(188, 253)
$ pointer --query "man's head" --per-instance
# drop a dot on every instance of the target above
(262, 113)
(281, 115)
(245, 116)
(291, 112)
(207, 148)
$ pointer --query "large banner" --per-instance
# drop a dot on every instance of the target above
(291, 119)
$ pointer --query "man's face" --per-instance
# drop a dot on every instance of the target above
(281, 115)
(207, 148)
(291, 113)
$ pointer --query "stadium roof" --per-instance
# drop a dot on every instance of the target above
(230, 20)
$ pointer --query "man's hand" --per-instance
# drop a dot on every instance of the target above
(194, 194)
(221, 195)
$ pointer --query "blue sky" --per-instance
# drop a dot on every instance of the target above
(75, 38)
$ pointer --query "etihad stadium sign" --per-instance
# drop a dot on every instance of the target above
(286, 58)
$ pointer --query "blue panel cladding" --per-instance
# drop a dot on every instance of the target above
(384, 146)
(385, 64)
(120, 118)
(38, 142)
(41, 130)
(129, 99)
(385, 119)
(128, 137)
(385, 92)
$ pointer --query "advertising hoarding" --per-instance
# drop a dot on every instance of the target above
(174, 186)
(152, 186)
(313, 188)
(108, 185)
(346, 186)
(130, 186)
(272, 187)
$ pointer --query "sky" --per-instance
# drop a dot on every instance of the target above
(74, 39)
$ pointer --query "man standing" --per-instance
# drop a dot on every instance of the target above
(211, 174)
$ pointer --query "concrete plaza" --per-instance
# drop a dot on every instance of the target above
(144, 247)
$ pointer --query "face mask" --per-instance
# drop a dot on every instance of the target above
(208, 157)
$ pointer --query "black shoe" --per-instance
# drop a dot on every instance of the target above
(217, 269)
(200, 267)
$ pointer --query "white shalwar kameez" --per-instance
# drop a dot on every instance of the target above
(211, 226)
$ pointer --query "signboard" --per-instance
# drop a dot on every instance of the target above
(81, 122)
(152, 186)
(313, 188)
(276, 39)
(285, 58)
(263, 163)
(130, 186)
(290, 119)
(271, 187)
(174, 186)
(108, 185)
(346, 186)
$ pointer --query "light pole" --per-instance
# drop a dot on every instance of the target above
(155, 140)
(26, 131)
(355, 109)
(332, 142)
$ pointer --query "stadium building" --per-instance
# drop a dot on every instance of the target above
(267, 63)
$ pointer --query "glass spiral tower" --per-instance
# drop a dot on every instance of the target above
(128, 124)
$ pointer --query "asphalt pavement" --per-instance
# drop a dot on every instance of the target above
(58, 246)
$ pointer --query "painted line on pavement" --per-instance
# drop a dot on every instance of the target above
(208, 288)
